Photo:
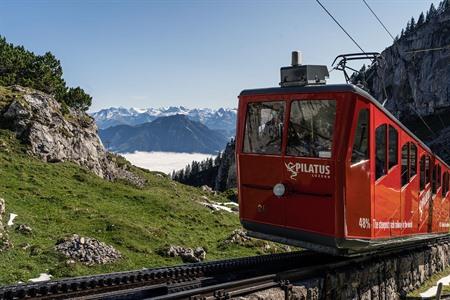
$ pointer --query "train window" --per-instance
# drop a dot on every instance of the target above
(381, 155)
(434, 184)
(393, 146)
(427, 169)
(424, 171)
(310, 131)
(405, 170)
(445, 184)
(360, 144)
(264, 127)
(412, 160)
(439, 176)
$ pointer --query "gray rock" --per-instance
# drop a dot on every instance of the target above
(188, 255)
(88, 251)
(54, 136)
(24, 229)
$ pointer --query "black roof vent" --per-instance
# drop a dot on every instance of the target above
(300, 75)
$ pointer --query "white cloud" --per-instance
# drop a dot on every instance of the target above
(163, 161)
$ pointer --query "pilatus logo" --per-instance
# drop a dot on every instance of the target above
(318, 171)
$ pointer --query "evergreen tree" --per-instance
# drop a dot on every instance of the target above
(41, 72)
(421, 20)
(432, 12)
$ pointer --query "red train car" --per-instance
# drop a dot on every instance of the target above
(326, 167)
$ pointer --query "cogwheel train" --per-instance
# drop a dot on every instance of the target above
(328, 168)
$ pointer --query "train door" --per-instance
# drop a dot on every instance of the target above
(309, 166)
(387, 180)
(358, 200)
(425, 197)
(260, 161)
(437, 197)
(446, 200)
(410, 188)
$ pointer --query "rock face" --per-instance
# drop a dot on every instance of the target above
(87, 250)
(56, 134)
(418, 83)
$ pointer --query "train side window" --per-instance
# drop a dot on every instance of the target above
(445, 184)
(264, 127)
(412, 160)
(434, 184)
(380, 150)
(311, 125)
(393, 147)
(405, 159)
(423, 175)
(439, 176)
(427, 170)
(361, 141)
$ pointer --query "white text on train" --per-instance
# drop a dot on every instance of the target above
(316, 170)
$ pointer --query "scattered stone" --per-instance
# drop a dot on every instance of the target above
(2, 207)
(239, 237)
(70, 262)
(4, 238)
(88, 251)
(24, 229)
(25, 246)
(188, 255)
(207, 189)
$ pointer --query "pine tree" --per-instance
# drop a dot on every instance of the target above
(432, 12)
(421, 20)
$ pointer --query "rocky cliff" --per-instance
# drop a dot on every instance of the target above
(415, 73)
(56, 133)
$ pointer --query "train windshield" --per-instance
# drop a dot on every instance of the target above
(264, 127)
(311, 124)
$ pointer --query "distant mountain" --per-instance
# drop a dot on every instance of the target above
(222, 119)
(176, 133)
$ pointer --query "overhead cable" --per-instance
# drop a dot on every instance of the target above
(378, 19)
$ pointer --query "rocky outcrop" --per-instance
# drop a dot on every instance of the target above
(413, 80)
(55, 133)
(4, 239)
(88, 251)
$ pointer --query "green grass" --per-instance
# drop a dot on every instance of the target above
(432, 281)
(58, 200)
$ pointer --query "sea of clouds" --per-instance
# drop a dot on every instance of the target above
(163, 161)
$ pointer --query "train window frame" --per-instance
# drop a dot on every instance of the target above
(283, 116)
(413, 149)
(288, 151)
(445, 183)
(383, 129)
(405, 170)
(424, 171)
(364, 137)
(392, 150)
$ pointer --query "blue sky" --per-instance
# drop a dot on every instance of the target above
(193, 53)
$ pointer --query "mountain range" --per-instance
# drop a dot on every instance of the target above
(222, 119)
(176, 133)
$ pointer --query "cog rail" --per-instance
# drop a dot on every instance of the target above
(223, 279)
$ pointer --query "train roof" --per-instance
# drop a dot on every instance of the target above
(336, 88)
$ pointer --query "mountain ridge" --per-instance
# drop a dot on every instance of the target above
(175, 133)
(223, 119)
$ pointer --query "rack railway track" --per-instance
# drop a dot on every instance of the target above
(223, 279)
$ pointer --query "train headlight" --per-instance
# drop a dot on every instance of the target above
(279, 189)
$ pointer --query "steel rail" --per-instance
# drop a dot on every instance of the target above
(209, 280)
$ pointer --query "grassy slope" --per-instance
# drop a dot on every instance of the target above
(58, 200)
